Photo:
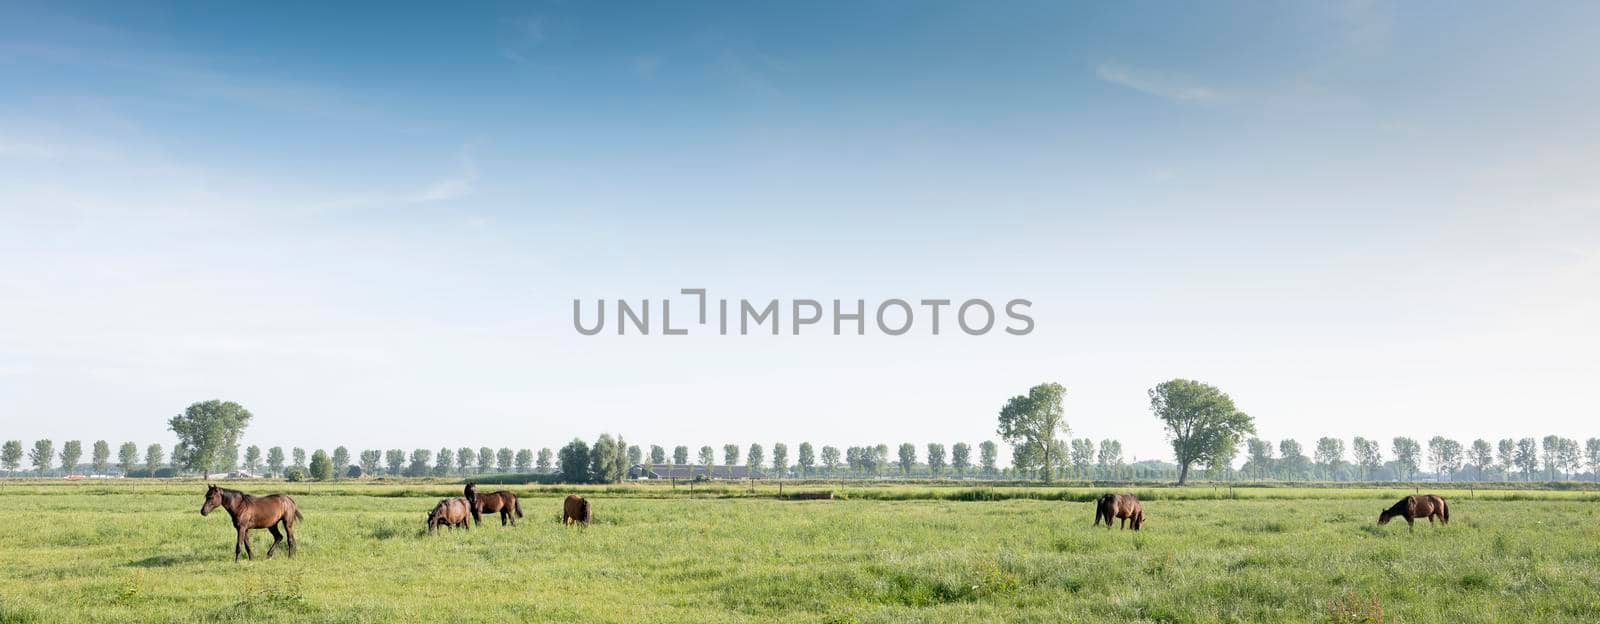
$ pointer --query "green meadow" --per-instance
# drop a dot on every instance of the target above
(141, 552)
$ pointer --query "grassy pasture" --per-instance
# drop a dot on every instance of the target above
(140, 551)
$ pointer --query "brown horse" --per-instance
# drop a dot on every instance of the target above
(1124, 506)
(576, 511)
(450, 512)
(1428, 506)
(251, 512)
(502, 502)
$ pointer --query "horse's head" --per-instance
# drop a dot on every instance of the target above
(1385, 515)
(213, 499)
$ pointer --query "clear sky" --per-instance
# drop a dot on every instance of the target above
(367, 224)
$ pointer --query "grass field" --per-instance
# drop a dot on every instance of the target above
(128, 552)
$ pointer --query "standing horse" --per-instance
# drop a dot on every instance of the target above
(250, 512)
(575, 510)
(450, 512)
(502, 502)
(1124, 506)
(1428, 506)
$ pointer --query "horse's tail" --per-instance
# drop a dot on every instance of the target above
(297, 515)
(516, 505)
(1444, 510)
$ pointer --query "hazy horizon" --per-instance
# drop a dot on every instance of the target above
(368, 227)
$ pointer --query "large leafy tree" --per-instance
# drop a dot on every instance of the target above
(1110, 457)
(936, 458)
(573, 461)
(607, 459)
(1201, 421)
(1591, 454)
(11, 455)
(807, 459)
(485, 459)
(755, 457)
(208, 432)
(780, 459)
(680, 455)
(1329, 455)
(504, 458)
(371, 461)
(908, 458)
(444, 461)
(1369, 455)
(988, 455)
(395, 459)
(524, 460)
(546, 461)
(153, 458)
(101, 459)
(421, 463)
(830, 459)
(42, 455)
(730, 454)
(71, 452)
(658, 455)
(1030, 423)
(321, 466)
(252, 458)
(275, 459)
(128, 457)
(1407, 456)
(341, 461)
(464, 458)
(1481, 456)
(961, 458)
(1445, 456)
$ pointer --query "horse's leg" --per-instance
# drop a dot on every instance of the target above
(1411, 524)
(244, 536)
(238, 543)
(277, 536)
(288, 531)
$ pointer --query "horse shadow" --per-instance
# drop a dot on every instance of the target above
(167, 561)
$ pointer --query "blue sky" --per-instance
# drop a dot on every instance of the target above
(368, 225)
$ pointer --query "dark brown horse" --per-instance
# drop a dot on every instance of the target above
(1123, 506)
(1428, 506)
(502, 502)
(251, 512)
(450, 512)
(575, 510)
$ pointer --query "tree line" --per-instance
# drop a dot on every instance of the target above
(609, 459)
(1204, 427)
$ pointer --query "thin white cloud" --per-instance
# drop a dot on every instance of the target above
(1155, 83)
(456, 185)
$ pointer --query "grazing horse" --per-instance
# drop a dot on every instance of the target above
(576, 511)
(1428, 506)
(252, 512)
(1124, 506)
(450, 512)
(502, 502)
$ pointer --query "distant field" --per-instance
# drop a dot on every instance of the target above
(140, 551)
